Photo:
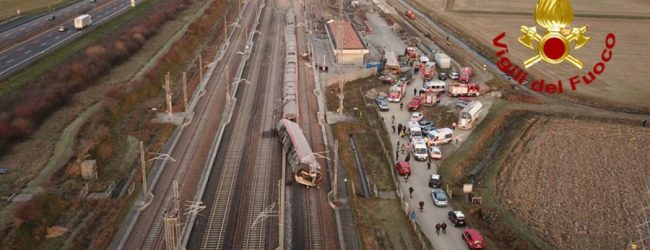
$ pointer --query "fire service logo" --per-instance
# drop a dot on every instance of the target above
(553, 47)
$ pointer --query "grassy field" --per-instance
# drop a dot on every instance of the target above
(10, 7)
(621, 84)
(382, 223)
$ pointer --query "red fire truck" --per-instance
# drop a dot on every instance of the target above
(465, 74)
(429, 71)
(397, 91)
(463, 89)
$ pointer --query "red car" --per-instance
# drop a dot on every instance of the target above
(415, 103)
(473, 238)
(403, 168)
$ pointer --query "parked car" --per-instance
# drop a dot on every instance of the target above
(454, 75)
(425, 122)
(427, 129)
(415, 103)
(461, 104)
(442, 76)
(473, 238)
(4, 170)
(62, 29)
(403, 168)
(435, 153)
(457, 218)
(435, 181)
(382, 103)
(419, 149)
(439, 197)
(388, 79)
(417, 117)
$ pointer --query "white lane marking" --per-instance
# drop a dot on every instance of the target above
(20, 48)
(27, 52)
(10, 60)
(57, 37)
(43, 44)
(7, 35)
(21, 29)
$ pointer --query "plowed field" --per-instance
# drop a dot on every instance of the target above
(578, 183)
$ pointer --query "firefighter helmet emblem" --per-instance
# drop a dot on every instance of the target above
(555, 16)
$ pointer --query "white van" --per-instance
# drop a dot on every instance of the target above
(437, 86)
(419, 149)
(469, 115)
(441, 136)
(415, 132)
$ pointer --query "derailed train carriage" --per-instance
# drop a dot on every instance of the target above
(305, 168)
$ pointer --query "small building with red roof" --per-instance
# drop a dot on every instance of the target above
(348, 47)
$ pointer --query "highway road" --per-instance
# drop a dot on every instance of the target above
(28, 42)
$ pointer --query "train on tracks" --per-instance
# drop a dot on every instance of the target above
(303, 162)
(290, 98)
(304, 165)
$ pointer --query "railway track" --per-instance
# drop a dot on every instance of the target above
(243, 187)
(315, 227)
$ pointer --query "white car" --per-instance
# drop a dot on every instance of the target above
(62, 29)
(454, 75)
(416, 116)
(435, 153)
(439, 197)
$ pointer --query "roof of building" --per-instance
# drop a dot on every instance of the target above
(350, 39)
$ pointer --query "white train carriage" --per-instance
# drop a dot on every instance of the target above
(290, 108)
(306, 169)
(291, 16)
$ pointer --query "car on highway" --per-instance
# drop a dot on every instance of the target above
(62, 28)
(442, 76)
(473, 238)
(457, 218)
(417, 116)
(415, 103)
(435, 153)
(382, 103)
(435, 181)
(454, 76)
(403, 168)
(439, 197)
(51, 18)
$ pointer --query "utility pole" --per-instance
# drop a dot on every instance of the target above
(228, 84)
(185, 91)
(225, 27)
(168, 94)
(341, 36)
(145, 192)
(201, 67)
(336, 167)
